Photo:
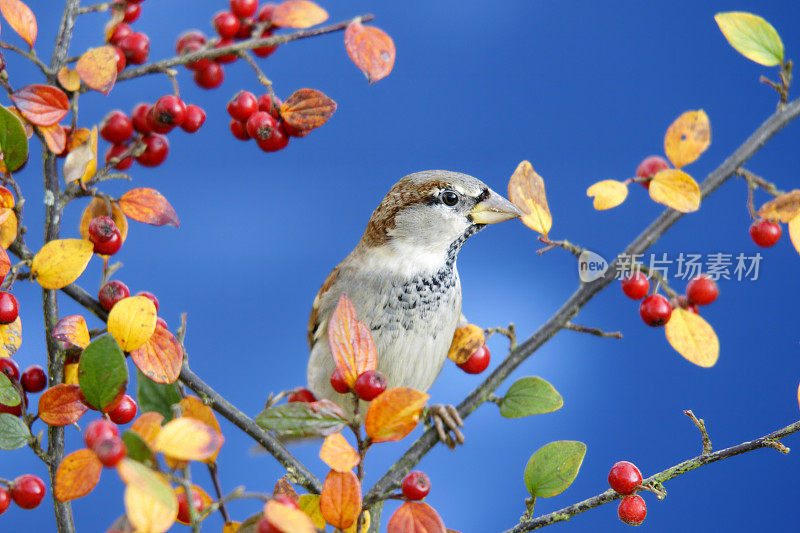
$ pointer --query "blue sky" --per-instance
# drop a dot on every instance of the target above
(584, 90)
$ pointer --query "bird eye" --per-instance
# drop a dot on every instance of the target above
(449, 198)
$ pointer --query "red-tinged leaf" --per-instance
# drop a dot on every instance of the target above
(61, 405)
(5, 263)
(340, 501)
(287, 518)
(97, 67)
(351, 342)
(307, 109)
(148, 206)
(77, 475)
(72, 329)
(298, 14)
(160, 357)
(416, 517)
(42, 105)
(55, 137)
(394, 414)
(371, 49)
(20, 18)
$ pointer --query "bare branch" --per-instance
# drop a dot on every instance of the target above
(593, 331)
(701, 425)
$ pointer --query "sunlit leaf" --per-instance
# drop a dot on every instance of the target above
(13, 140)
(466, 340)
(298, 14)
(102, 372)
(60, 262)
(188, 439)
(692, 337)
(309, 504)
(14, 434)
(337, 453)
(97, 67)
(307, 109)
(371, 49)
(72, 329)
(148, 513)
(21, 19)
(751, 36)
(8, 230)
(61, 405)
(135, 474)
(77, 475)
(148, 206)
(607, 194)
(416, 517)
(148, 426)
(303, 419)
(160, 357)
(10, 337)
(687, 138)
(351, 342)
(69, 79)
(784, 207)
(55, 137)
(71, 374)
(394, 414)
(132, 322)
(526, 191)
(41, 105)
(340, 500)
(530, 396)
(287, 518)
(553, 467)
(193, 407)
(676, 189)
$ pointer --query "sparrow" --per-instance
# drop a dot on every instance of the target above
(403, 282)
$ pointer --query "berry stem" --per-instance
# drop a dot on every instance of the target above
(262, 78)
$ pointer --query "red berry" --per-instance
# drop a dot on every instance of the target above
(291, 131)
(110, 451)
(124, 411)
(132, 12)
(338, 383)
(283, 499)
(635, 285)
(765, 233)
(210, 77)
(116, 127)
(260, 125)
(139, 118)
(111, 246)
(277, 141)
(655, 310)
(242, 105)
(369, 385)
(632, 510)
(302, 395)
(416, 485)
(9, 308)
(101, 229)
(98, 430)
(169, 110)
(265, 526)
(33, 379)
(239, 130)
(5, 498)
(155, 125)
(157, 148)
(191, 36)
(684, 303)
(111, 292)
(195, 117)
(624, 477)
(226, 24)
(702, 290)
(183, 505)
(10, 368)
(227, 58)
(161, 322)
(27, 491)
(477, 362)
(244, 8)
(150, 296)
(245, 28)
(270, 104)
(266, 11)
(121, 61)
(265, 51)
(650, 167)
(116, 150)
(121, 31)
(136, 47)
(200, 64)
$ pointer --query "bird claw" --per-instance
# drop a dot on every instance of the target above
(446, 420)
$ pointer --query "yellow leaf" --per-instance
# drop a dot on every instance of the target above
(687, 138)
(99, 208)
(10, 338)
(231, 527)
(193, 407)
(132, 322)
(676, 189)
(287, 518)
(188, 439)
(364, 526)
(71, 374)
(8, 229)
(794, 232)
(81, 161)
(692, 337)
(394, 414)
(148, 426)
(61, 262)
(784, 208)
(526, 191)
(97, 67)
(69, 79)
(607, 194)
(309, 504)
(466, 340)
(146, 513)
(337, 453)
(751, 36)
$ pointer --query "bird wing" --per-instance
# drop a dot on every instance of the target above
(314, 318)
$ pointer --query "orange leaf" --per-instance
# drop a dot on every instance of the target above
(77, 138)
(416, 517)
(287, 518)
(97, 67)
(160, 357)
(340, 501)
(55, 137)
(21, 19)
(99, 208)
(69, 79)
(6, 198)
(61, 405)
(466, 340)
(351, 342)
(394, 414)
(298, 14)
(204, 497)
(284, 487)
(307, 109)
(337, 453)
(72, 329)
(77, 475)
(526, 191)
(148, 426)
(188, 439)
(5, 263)
(8, 228)
(193, 407)
(784, 208)
(148, 206)
(42, 105)
(371, 49)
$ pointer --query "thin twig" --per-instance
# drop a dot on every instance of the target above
(701, 425)
(593, 331)
(262, 78)
(30, 56)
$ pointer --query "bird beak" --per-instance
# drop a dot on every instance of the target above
(494, 209)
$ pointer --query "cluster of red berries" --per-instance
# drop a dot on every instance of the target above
(33, 380)
(131, 46)
(102, 437)
(368, 386)
(625, 479)
(655, 309)
(265, 526)
(477, 362)
(105, 236)
(260, 119)
(416, 485)
(152, 121)
(26, 491)
(237, 24)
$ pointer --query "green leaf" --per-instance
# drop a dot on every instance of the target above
(102, 372)
(154, 396)
(530, 396)
(751, 36)
(138, 450)
(300, 419)
(13, 432)
(553, 467)
(9, 395)
(13, 140)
